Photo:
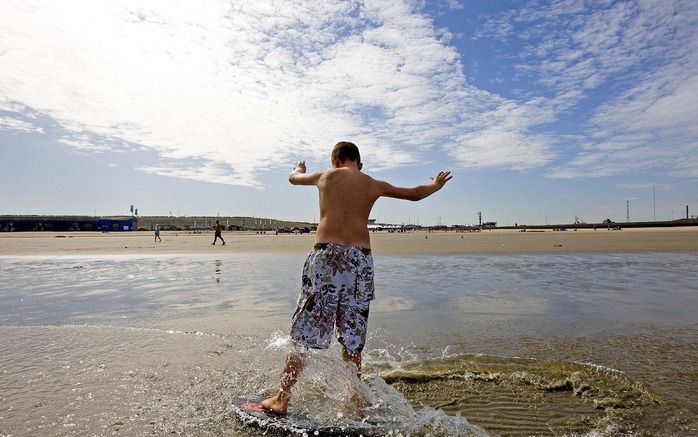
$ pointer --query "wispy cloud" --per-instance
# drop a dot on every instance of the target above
(455, 4)
(644, 186)
(11, 124)
(639, 58)
(222, 91)
(206, 171)
(501, 137)
(247, 86)
(84, 144)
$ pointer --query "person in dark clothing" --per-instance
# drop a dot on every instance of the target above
(218, 229)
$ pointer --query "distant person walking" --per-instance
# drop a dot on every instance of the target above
(157, 233)
(218, 229)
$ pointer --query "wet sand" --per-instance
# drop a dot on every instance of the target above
(422, 242)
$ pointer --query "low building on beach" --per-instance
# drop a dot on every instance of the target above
(34, 223)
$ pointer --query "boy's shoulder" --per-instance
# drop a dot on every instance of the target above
(346, 171)
(344, 174)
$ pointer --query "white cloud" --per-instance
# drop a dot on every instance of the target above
(223, 91)
(644, 186)
(455, 4)
(640, 57)
(580, 45)
(205, 172)
(247, 86)
(84, 144)
(11, 124)
(650, 126)
(501, 138)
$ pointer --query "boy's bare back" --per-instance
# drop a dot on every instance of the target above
(346, 199)
(347, 196)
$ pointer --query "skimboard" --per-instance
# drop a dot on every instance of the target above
(248, 411)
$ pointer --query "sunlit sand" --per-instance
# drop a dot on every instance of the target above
(418, 242)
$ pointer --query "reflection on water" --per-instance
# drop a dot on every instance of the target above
(218, 271)
(159, 345)
(642, 287)
(120, 289)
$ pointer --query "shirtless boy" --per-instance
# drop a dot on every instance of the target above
(337, 285)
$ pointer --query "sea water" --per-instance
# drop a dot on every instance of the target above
(515, 345)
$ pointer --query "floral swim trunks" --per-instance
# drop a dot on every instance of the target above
(337, 290)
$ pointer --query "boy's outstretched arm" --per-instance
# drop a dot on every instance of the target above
(298, 176)
(416, 193)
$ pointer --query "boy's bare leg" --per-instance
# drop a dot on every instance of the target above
(293, 368)
(357, 402)
(356, 359)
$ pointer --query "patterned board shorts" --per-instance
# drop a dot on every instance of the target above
(337, 290)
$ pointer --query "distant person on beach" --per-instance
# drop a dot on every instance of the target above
(337, 279)
(157, 233)
(218, 229)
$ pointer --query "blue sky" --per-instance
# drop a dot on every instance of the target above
(543, 110)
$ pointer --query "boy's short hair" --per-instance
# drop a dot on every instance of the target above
(345, 151)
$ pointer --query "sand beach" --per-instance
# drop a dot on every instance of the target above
(418, 242)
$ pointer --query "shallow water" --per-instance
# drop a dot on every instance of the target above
(574, 344)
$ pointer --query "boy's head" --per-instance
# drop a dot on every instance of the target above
(345, 151)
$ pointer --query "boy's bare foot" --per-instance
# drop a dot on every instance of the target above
(277, 404)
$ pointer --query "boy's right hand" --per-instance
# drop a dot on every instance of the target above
(441, 178)
(299, 167)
